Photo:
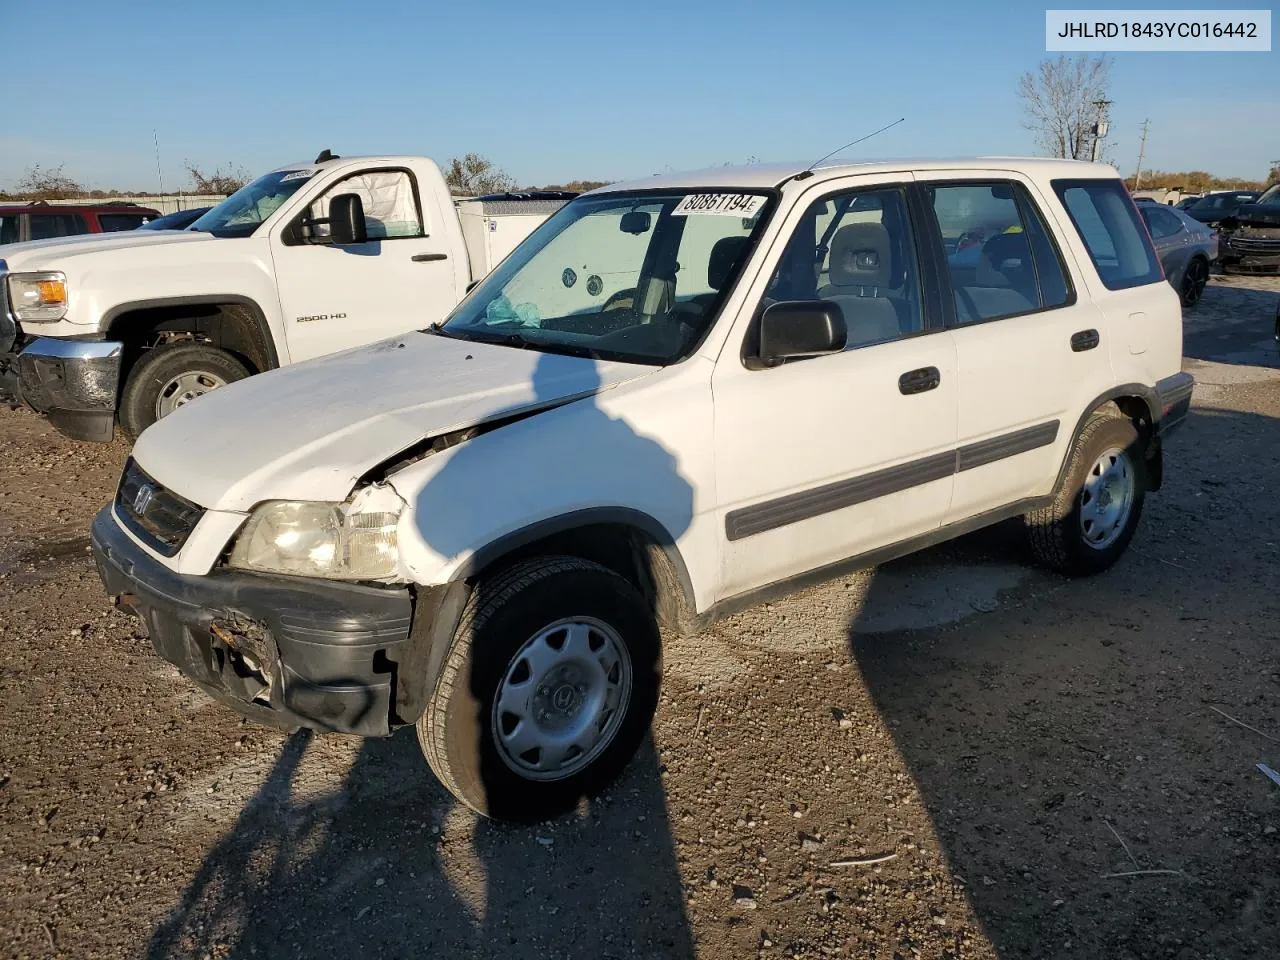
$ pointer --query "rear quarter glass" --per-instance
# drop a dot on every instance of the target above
(1107, 221)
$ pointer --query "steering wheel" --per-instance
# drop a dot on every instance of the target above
(622, 300)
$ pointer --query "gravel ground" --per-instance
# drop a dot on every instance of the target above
(1015, 749)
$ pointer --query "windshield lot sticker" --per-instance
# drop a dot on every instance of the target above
(295, 175)
(744, 205)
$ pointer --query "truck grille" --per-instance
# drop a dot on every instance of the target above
(1266, 245)
(161, 518)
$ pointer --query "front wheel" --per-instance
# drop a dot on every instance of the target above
(547, 690)
(1095, 513)
(170, 376)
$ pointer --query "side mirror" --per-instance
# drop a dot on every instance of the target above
(801, 328)
(346, 220)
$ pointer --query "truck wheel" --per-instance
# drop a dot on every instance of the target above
(547, 690)
(168, 376)
(1095, 513)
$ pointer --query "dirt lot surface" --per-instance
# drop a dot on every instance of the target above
(1042, 766)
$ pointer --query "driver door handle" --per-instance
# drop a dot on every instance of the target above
(918, 381)
(428, 257)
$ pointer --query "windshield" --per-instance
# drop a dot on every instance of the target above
(637, 277)
(242, 212)
(1272, 195)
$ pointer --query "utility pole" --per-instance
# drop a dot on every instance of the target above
(1100, 128)
(1142, 150)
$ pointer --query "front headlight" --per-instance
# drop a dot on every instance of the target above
(38, 297)
(338, 541)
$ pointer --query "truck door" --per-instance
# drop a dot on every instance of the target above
(401, 279)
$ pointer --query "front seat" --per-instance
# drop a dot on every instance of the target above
(725, 254)
(858, 278)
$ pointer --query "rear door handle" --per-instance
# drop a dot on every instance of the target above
(1084, 340)
(918, 381)
(428, 257)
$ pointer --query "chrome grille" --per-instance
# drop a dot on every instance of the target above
(161, 518)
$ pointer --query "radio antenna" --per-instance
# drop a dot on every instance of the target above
(809, 169)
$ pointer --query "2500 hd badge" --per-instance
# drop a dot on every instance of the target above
(322, 316)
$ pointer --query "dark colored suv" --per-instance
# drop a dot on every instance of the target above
(42, 221)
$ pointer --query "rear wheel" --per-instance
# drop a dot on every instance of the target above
(1095, 513)
(1194, 279)
(170, 376)
(547, 690)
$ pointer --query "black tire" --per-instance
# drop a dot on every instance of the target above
(1055, 533)
(1194, 278)
(504, 612)
(159, 367)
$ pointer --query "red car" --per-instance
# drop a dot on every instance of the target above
(40, 220)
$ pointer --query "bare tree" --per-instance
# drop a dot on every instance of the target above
(474, 175)
(1059, 102)
(40, 183)
(218, 181)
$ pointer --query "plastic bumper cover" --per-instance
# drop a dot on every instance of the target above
(74, 383)
(287, 652)
(1174, 394)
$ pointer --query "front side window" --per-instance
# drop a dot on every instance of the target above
(856, 250)
(117, 222)
(389, 201)
(637, 277)
(1107, 222)
(245, 210)
(9, 228)
(47, 225)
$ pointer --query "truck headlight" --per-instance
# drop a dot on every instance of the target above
(38, 297)
(356, 540)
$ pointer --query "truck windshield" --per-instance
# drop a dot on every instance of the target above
(243, 212)
(637, 277)
(1271, 196)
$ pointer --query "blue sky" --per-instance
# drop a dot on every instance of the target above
(554, 91)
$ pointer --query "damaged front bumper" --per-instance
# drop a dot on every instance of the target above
(72, 382)
(285, 651)
(1252, 252)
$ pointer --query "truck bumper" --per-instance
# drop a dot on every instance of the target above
(72, 382)
(288, 652)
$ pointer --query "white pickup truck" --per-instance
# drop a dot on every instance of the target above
(306, 260)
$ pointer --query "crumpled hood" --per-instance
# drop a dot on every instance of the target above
(309, 431)
(1257, 215)
(42, 254)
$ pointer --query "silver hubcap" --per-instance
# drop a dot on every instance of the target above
(562, 699)
(184, 388)
(1107, 499)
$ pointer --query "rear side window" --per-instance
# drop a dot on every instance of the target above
(116, 222)
(1117, 242)
(999, 254)
(47, 225)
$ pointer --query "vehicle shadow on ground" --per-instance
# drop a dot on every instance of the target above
(387, 866)
(1234, 323)
(1035, 724)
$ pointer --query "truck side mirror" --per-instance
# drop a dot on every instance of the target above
(346, 220)
(801, 328)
